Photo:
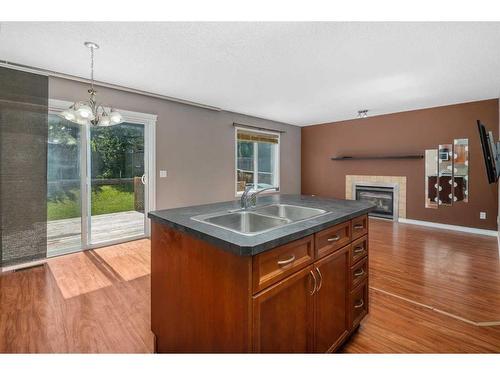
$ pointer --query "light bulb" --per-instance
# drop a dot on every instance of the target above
(85, 112)
(81, 121)
(115, 117)
(68, 114)
(104, 121)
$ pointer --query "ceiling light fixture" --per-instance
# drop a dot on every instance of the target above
(91, 112)
(363, 113)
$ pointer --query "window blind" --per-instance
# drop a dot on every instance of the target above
(249, 136)
(23, 166)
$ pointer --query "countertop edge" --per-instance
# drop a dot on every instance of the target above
(254, 250)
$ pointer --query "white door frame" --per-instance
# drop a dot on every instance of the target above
(149, 122)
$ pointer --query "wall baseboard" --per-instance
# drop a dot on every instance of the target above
(484, 232)
(23, 265)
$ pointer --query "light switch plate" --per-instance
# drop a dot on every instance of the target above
(163, 174)
(482, 215)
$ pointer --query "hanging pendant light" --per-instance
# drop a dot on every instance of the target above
(91, 112)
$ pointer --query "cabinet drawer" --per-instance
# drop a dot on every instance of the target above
(331, 239)
(274, 265)
(358, 273)
(359, 226)
(359, 249)
(358, 304)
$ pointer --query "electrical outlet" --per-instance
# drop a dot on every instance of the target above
(482, 215)
(163, 174)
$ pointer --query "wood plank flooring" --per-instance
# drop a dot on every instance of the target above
(431, 290)
(456, 272)
(79, 303)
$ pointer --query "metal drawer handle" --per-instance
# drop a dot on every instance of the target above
(359, 273)
(360, 304)
(315, 282)
(286, 261)
(334, 238)
(320, 279)
(359, 249)
(359, 226)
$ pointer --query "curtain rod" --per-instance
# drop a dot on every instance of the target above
(51, 73)
(259, 128)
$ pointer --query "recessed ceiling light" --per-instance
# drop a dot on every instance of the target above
(362, 113)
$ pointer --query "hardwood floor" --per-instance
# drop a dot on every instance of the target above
(86, 302)
(397, 326)
(458, 273)
(432, 291)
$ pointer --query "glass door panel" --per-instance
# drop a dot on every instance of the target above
(64, 198)
(117, 193)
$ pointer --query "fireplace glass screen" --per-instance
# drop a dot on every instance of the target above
(381, 197)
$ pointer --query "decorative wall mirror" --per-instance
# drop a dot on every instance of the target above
(445, 175)
(431, 176)
(461, 170)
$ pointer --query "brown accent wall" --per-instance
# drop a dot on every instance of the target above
(404, 133)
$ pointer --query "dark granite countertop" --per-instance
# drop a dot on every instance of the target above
(339, 210)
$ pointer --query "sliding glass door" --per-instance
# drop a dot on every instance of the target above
(64, 185)
(117, 182)
(98, 188)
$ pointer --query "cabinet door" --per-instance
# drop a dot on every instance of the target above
(283, 315)
(331, 299)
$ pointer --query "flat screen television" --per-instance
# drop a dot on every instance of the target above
(491, 153)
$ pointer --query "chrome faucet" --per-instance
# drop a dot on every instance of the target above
(248, 199)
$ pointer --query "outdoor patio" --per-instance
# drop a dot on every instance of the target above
(66, 233)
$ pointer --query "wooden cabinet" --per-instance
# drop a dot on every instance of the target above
(274, 265)
(283, 315)
(358, 273)
(358, 304)
(331, 301)
(359, 226)
(359, 249)
(331, 239)
(305, 296)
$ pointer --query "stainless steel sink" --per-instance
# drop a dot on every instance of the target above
(261, 219)
(245, 222)
(293, 213)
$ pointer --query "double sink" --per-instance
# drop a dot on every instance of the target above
(261, 219)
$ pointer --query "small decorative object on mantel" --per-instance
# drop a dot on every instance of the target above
(447, 174)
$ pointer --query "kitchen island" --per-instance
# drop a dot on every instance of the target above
(290, 275)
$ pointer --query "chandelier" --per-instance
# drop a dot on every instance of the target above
(91, 112)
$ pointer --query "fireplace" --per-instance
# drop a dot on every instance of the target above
(384, 196)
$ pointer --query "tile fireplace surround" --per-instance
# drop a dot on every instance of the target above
(350, 180)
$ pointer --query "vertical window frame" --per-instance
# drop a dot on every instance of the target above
(275, 159)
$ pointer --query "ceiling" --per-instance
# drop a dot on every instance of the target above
(300, 73)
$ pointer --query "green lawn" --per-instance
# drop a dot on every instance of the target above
(106, 199)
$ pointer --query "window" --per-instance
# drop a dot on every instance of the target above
(257, 159)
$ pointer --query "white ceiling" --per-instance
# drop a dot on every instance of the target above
(298, 73)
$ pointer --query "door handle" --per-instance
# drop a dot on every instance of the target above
(334, 238)
(360, 304)
(286, 261)
(143, 179)
(320, 279)
(315, 283)
(358, 226)
(359, 249)
(359, 273)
